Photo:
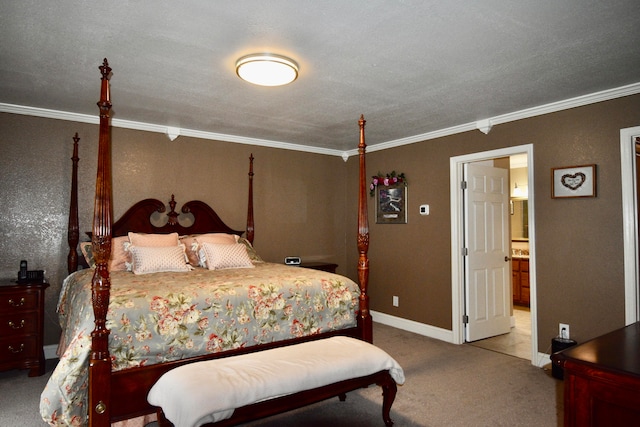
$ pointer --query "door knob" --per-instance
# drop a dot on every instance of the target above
(507, 259)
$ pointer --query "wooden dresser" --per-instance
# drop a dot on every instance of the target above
(22, 326)
(602, 380)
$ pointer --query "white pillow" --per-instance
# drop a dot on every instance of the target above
(149, 259)
(220, 256)
(193, 242)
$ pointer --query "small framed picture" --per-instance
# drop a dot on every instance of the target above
(391, 204)
(573, 181)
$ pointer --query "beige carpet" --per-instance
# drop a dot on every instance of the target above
(447, 385)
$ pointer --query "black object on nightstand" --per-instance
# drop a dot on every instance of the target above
(22, 326)
(324, 266)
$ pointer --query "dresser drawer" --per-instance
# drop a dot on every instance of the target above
(18, 300)
(25, 323)
(19, 348)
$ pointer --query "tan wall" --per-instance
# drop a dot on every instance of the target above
(299, 197)
(306, 205)
(579, 241)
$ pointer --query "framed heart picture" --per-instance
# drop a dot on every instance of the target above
(574, 181)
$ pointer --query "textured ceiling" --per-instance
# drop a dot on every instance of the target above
(411, 67)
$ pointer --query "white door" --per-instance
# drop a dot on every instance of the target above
(488, 253)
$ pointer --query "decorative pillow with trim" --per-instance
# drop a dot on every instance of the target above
(156, 259)
(223, 256)
(250, 250)
(141, 239)
(119, 260)
(87, 251)
(192, 243)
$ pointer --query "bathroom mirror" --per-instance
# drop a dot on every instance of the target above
(519, 219)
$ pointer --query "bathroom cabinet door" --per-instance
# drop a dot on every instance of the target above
(521, 294)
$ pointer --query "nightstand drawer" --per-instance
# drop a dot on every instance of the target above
(322, 266)
(17, 349)
(25, 323)
(18, 300)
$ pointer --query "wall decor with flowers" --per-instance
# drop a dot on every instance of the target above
(390, 191)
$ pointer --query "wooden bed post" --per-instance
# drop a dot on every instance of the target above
(365, 322)
(250, 229)
(73, 232)
(100, 362)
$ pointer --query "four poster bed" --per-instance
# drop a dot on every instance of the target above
(123, 331)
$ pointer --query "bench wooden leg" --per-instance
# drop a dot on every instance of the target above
(162, 420)
(389, 390)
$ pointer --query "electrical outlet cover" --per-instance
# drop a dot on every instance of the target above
(563, 331)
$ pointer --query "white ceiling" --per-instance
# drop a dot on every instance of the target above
(413, 68)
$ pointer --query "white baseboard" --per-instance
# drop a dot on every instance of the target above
(50, 351)
(542, 360)
(412, 326)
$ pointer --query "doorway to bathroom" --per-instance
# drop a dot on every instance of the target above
(523, 319)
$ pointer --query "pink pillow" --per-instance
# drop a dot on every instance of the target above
(120, 257)
(218, 238)
(154, 240)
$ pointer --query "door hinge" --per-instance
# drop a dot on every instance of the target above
(465, 319)
(465, 251)
(463, 185)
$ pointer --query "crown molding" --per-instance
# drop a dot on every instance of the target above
(553, 107)
(150, 127)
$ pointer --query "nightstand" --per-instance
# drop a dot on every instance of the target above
(324, 266)
(22, 326)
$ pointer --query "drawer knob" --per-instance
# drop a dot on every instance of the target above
(101, 407)
(14, 326)
(13, 350)
(16, 304)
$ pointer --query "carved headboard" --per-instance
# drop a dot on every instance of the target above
(139, 219)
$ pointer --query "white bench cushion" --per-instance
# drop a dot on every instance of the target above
(209, 391)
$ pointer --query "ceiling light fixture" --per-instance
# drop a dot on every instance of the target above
(266, 69)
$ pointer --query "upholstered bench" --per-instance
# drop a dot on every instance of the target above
(240, 388)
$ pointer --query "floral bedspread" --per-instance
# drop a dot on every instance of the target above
(168, 316)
